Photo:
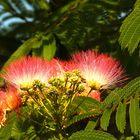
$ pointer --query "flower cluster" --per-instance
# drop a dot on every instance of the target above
(99, 71)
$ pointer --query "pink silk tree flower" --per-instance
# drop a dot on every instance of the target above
(23, 72)
(13, 99)
(68, 65)
(93, 94)
(3, 100)
(100, 70)
(9, 100)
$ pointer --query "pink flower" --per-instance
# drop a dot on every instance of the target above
(2, 100)
(9, 100)
(68, 65)
(93, 94)
(28, 69)
(13, 99)
(99, 70)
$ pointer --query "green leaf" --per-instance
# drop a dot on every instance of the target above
(132, 88)
(10, 131)
(37, 52)
(119, 94)
(39, 40)
(83, 116)
(37, 48)
(134, 113)
(6, 130)
(121, 117)
(91, 125)
(112, 3)
(49, 48)
(85, 103)
(105, 118)
(130, 30)
(92, 135)
(18, 128)
(43, 5)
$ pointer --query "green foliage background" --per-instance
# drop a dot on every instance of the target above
(59, 28)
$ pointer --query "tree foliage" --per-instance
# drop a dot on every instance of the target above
(58, 28)
(74, 25)
(130, 30)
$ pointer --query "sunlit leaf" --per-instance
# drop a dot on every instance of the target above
(130, 30)
(49, 48)
(105, 119)
(92, 135)
(121, 117)
(134, 113)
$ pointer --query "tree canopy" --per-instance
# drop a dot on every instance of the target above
(53, 29)
(61, 28)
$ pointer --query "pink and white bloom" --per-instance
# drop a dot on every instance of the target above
(2, 99)
(95, 94)
(13, 99)
(9, 100)
(68, 65)
(23, 72)
(100, 70)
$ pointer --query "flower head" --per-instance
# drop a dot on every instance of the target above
(68, 65)
(2, 100)
(13, 99)
(95, 94)
(99, 70)
(23, 72)
(9, 100)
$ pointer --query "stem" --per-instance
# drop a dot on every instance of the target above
(81, 101)
(40, 104)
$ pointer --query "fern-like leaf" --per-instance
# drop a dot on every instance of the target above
(134, 112)
(82, 103)
(83, 116)
(130, 30)
(119, 94)
(114, 102)
(106, 118)
(92, 135)
(121, 117)
(91, 125)
(132, 88)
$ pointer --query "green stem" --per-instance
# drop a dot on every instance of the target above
(81, 101)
